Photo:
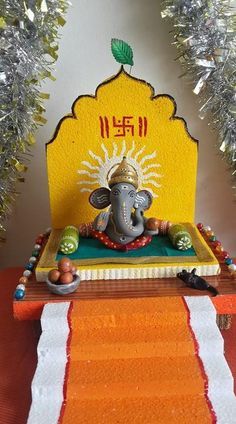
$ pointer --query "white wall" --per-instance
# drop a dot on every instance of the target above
(84, 61)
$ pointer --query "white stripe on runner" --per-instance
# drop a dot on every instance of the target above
(48, 381)
(211, 351)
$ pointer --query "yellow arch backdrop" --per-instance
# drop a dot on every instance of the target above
(123, 118)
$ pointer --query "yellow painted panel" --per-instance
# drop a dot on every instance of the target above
(123, 118)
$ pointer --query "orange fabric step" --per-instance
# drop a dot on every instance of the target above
(134, 370)
(130, 350)
(155, 410)
(91, 308)
(136, 377)
(158, 332)
(124, 320)
(124, 390)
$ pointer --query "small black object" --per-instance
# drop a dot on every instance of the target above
(195, 282)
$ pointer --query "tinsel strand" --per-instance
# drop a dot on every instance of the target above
(204, 34)
(28, 51)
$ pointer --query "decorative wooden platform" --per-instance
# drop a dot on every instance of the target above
(37, 294)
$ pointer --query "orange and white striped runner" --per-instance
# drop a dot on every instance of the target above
(148, 360)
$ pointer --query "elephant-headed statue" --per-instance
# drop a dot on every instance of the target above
(123, 225)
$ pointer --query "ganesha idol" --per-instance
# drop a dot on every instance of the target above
(123, 226)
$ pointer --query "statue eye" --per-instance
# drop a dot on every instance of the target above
(116, 192)
(132, 193)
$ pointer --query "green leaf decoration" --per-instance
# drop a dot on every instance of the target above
(122, 52)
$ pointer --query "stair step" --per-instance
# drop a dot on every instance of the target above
(141, 305)
(130, 390)
(135, 370)
(142, 410)
(141, 334)
(122, 320)
(111, 313)
(131, 350)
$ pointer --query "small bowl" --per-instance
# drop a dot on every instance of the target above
(62, 289)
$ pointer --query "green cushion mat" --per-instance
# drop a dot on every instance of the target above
(159, 246)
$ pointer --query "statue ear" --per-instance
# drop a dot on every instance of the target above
(143, 199)
(100, 198)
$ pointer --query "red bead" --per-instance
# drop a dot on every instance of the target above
(225, 254)
(200, 226)
(39, 240)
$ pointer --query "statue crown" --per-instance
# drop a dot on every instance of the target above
(125, 173)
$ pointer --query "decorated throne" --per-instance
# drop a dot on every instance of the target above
(124, 119)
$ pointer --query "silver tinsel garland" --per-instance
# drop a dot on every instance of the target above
(204, 33)
(28, 49)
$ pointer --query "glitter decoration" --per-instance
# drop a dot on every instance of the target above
(205, 35)
(28, 51)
